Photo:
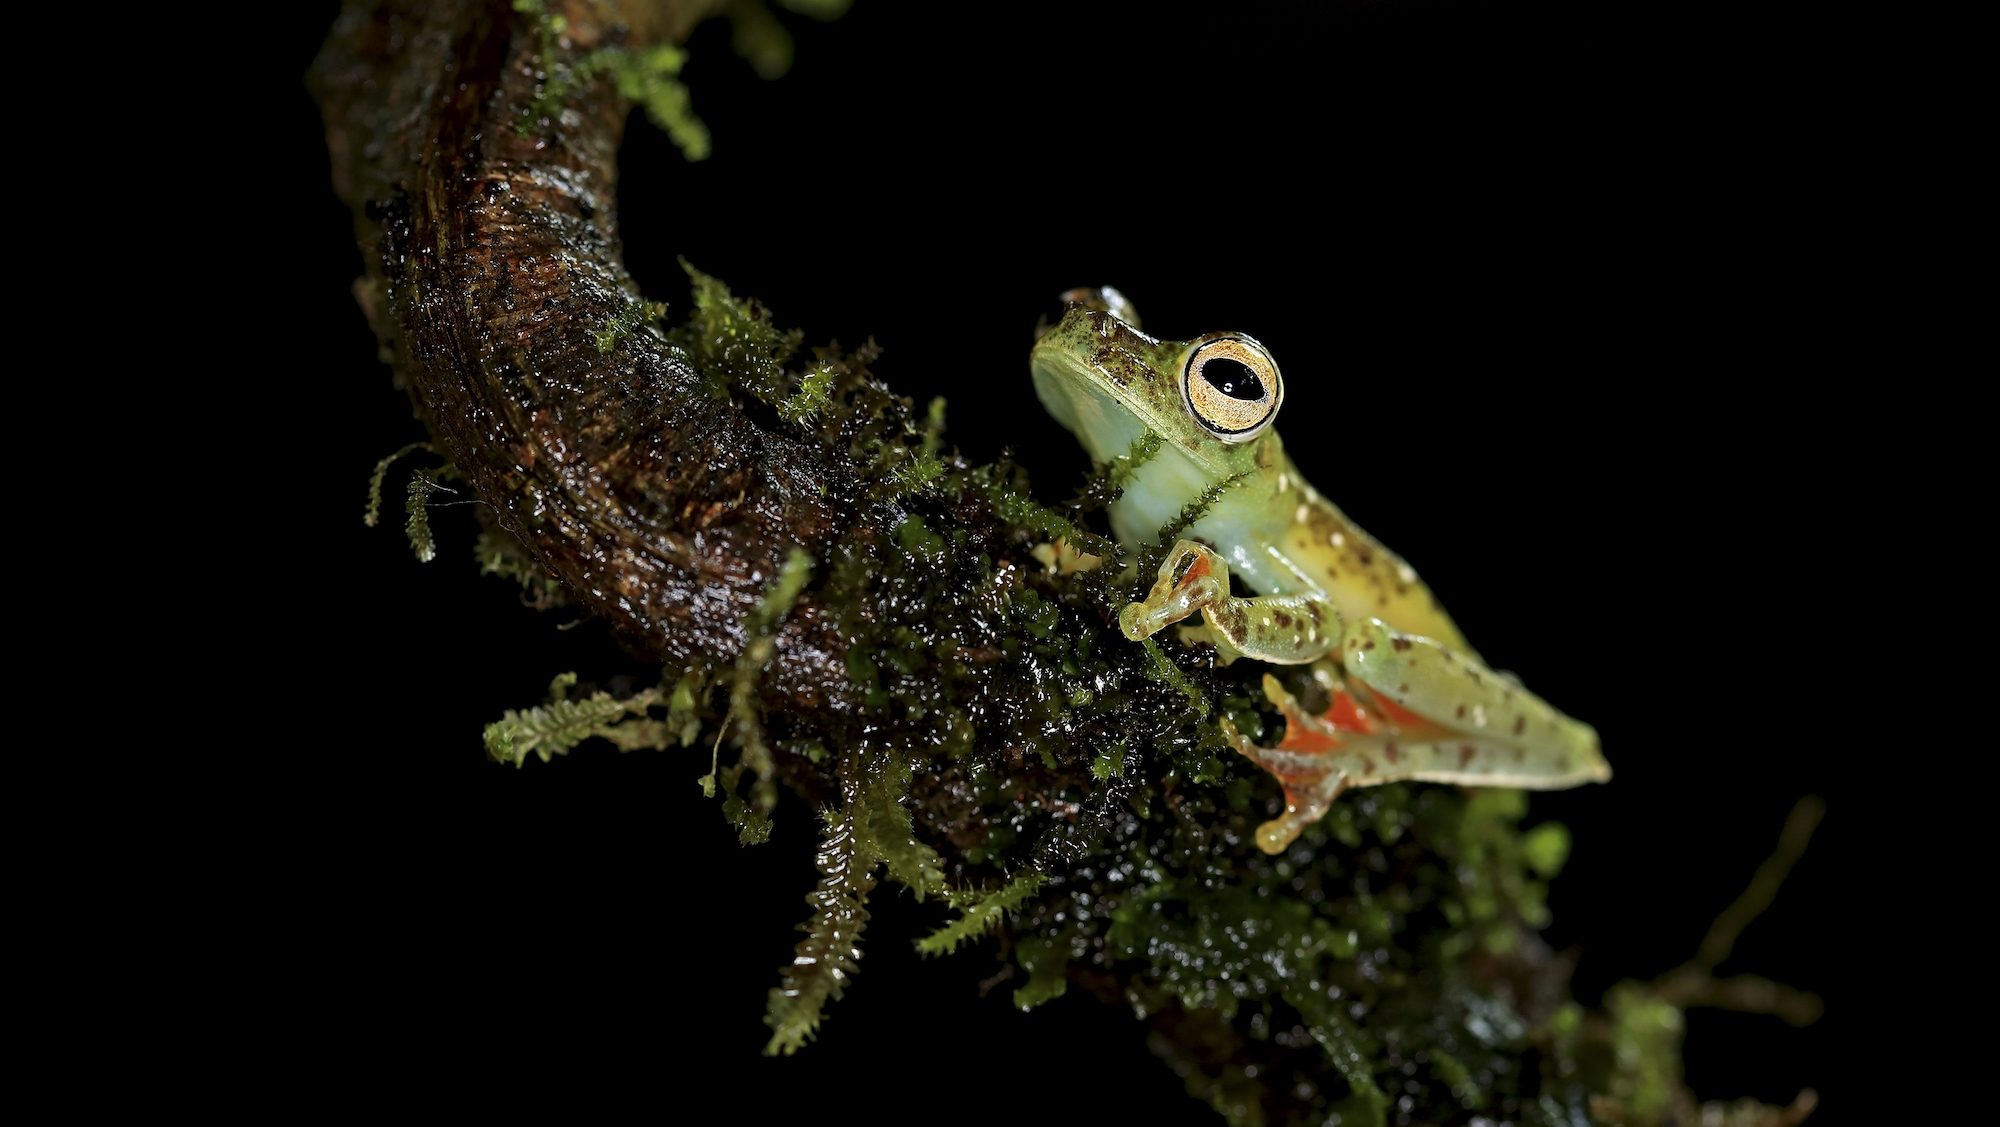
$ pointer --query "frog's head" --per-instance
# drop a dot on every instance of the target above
(1212, 398)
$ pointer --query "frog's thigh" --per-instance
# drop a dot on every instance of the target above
(1282, 629)
(1460, 721)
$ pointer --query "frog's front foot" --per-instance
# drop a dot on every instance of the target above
(1191, 577)
(1285, 629)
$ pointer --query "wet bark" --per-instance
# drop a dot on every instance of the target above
(492, 258)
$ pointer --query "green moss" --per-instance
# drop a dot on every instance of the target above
(759, 626)
(500, 554)
(372, 513)
(979, 914)
(416, 510)
(1546, 848)
(1020, 511)
(560, 725)
(882, 825)
(733, 342)
(635, 316)
(825, 959)
(1045, 960)
(814, 393)
(648, 77)
(1107, 482)
(933, 429)
(1646, 1035)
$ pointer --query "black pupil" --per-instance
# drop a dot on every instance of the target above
(1233, 378)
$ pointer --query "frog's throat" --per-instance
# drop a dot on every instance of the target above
(1158, 492)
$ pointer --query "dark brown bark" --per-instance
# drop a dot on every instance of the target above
(493, 256)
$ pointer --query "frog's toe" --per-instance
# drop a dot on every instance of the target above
(1277, 835)
(1136, 623)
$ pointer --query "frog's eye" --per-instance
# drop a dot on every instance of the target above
(1232, 387)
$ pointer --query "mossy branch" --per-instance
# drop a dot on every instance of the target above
(820, 575)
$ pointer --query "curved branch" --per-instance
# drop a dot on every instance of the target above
(493, 260)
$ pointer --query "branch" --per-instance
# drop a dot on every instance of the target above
(493, 270)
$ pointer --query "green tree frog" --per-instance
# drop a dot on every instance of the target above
(1408, 697)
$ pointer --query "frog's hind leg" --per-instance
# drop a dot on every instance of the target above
(1461, 722)
(1411, 708)
(1281, 629)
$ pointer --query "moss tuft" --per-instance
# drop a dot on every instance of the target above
(979, 914)
(560, 725)
(826, 957)
(648, 78)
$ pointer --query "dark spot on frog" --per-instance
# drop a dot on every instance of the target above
(1394, 753)
(1367, 765)
(1520, 724)
(1461, 712)
(1401, 644)
(1465, 754)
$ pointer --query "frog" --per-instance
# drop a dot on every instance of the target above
(1406, 696)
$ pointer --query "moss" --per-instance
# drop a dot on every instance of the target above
(500, 554)
(1646, 1033)
(980, 914)
(825, 959)
(815, 391)
(372, 513)
(417, 518)
(560, 725)
(759, 626)
(635, 316)
(733, 342)
(648, 78)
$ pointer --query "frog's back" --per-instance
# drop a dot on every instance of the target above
(1362, 578)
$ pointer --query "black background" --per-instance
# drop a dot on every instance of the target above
(1542, 280)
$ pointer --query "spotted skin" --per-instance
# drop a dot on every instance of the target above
(1410, 697)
